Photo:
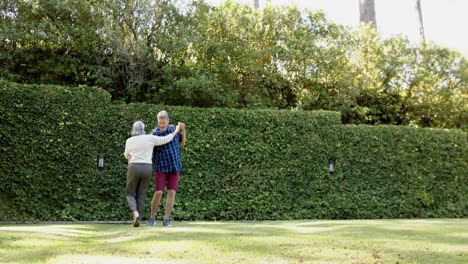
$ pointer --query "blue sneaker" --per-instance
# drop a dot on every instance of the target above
(167, 222)
(151, 222)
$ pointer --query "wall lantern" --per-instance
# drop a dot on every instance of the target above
(100, 161)
(331, 166)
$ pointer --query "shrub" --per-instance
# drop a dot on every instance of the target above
(237, 164)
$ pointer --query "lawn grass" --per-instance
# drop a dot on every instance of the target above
(435, 241)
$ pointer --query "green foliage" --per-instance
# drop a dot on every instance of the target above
(401, 171)
(49, 137)
(237, 164)
(232, 55)
(53, 42)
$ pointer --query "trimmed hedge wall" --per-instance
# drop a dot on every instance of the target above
(237, 164)
(400, 172)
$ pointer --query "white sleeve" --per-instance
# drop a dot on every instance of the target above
(157, 141)
(127, 151)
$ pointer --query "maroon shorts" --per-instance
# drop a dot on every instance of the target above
(161, 179)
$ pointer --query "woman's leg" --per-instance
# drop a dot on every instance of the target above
(145, 176)
(131, 187)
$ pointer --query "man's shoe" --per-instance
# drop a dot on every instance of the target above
(136, 221)
(151, 221)
(167, 222)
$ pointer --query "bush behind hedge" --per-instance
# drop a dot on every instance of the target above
(237, 164)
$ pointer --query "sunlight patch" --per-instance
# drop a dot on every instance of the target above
(71, 259)
(60, 230)
(311, 229)
(300, 229)
(192, 230)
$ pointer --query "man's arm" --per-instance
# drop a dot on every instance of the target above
(183, 137)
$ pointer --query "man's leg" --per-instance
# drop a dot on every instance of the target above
(170, 200)
(159, 184)
(172, 186)
(155, 203)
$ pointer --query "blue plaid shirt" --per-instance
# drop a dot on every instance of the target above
(166, 158)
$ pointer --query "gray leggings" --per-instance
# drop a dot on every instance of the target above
(138, 179)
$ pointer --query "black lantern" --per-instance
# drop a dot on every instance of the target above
(331, 166)
(100, 161)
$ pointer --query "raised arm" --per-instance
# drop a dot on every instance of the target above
(183, 137)
(157, 141)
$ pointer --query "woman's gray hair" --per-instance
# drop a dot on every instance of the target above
(163, 114)
(138, 128)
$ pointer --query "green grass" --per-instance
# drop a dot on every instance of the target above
(355, 241)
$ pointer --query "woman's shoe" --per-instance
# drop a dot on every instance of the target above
(136, 220)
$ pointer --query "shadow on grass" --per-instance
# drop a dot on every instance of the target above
(283, 241)
(98, 244)
(47, 235)
(437, 233)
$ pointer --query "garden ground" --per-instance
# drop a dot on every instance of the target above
(423, 241)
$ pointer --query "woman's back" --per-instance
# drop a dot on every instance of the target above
(140, 148)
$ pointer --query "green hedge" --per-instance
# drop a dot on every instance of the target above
(238, 164)
(392, 171)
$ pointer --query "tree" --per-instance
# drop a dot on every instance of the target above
(256, 4)
(367, 12)
(52, 42)
(130, 33)
(417, 6)
(231, 55)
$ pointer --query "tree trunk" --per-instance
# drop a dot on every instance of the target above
(367, 12)
(417, 6)
(256, 4)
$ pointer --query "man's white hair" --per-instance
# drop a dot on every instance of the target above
(163, 114)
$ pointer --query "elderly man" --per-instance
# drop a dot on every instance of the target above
(167, 164)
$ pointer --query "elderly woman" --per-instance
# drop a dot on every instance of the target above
(139, 151)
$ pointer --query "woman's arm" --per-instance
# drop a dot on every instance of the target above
(157, 141)
(127, 151)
